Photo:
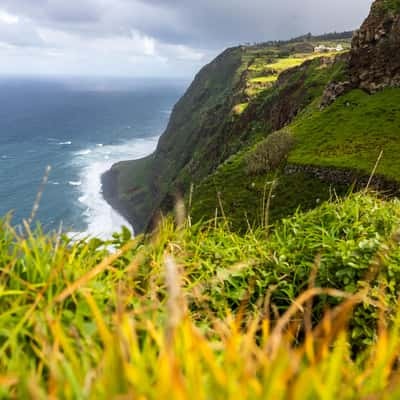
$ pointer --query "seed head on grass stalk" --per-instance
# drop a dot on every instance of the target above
(175, 302)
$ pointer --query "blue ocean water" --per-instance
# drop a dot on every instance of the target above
(79, 127)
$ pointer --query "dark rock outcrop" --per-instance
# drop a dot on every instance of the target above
(375, 54)
(374, 59)
(333, 91)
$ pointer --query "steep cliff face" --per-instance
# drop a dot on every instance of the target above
(269, 84)
(375, 54)
(138, 188)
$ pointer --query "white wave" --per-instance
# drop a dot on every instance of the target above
(99, 144)
(84, 152)
(54, 183)
(65, 143)
(102, 221)
(75, 183)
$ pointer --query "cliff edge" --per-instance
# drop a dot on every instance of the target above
(337, 97)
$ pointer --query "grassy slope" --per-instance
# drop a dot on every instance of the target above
(241, 194)
(77, 323)
(351, 133)
(243, 197)
(348, 134)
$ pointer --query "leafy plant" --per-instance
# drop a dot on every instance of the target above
(200, 312)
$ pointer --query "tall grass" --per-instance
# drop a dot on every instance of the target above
(201, 313)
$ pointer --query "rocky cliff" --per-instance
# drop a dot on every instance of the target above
(375, 54)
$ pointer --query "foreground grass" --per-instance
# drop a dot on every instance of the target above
(200, 312)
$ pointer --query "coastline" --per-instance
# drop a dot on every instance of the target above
(109, 191)
(129, 205)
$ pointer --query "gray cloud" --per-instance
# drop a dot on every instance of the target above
(171, 29)
(20, 34)
(231, 21)
(209, 22)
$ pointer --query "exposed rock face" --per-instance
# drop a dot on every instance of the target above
(336, 89)
(374, 59)
(375, 54)
(333, 91)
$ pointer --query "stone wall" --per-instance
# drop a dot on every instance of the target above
(348, 177)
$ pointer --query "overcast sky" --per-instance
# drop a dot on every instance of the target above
(152, 37)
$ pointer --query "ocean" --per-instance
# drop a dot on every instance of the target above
(79, 127)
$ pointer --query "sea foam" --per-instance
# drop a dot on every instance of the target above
(101, 219)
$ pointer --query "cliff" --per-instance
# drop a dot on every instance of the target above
(138, 188)
(248, 92)
(375, 55)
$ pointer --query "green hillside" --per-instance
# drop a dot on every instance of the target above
(351, 133)
(230, 104)
(348, 135)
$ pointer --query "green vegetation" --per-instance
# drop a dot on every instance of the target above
(234, 183)
(270, 153)
(264, 67)
(351, 133)
(264, 79)
(276, 285)
(392, 5)
(222, 112)
(245, 197)
(200, 312)
(240, 108)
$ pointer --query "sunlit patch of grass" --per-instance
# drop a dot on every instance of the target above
(264, 69)
(264, 79)
(240, 108)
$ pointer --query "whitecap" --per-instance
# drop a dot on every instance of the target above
(65, 143)
(99, 144)
(84, 152)
(75, 183)
(54, 183)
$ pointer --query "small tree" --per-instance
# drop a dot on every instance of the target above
(270, 153)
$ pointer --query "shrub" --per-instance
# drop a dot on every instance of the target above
(270, 153)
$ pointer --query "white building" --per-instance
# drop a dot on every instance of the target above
(324, 49)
